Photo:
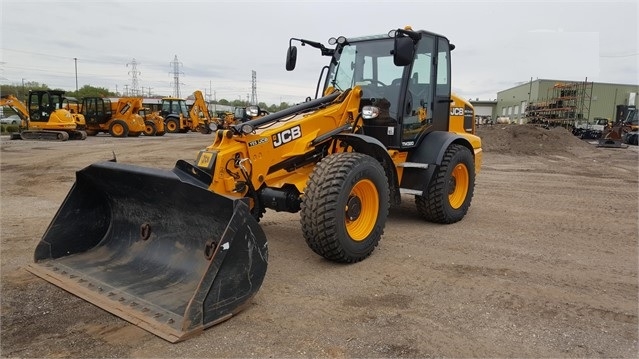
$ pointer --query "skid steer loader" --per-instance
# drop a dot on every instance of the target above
(178, 251)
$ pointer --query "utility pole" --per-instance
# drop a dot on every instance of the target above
(75, 59)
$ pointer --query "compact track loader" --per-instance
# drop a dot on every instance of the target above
(178, 251)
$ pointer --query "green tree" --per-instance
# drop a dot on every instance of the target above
(90, 91)
(21, 90)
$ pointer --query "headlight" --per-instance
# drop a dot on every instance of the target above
(370, 112)
(246, 128)
(252, 111)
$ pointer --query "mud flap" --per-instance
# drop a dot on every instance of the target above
(154, 247)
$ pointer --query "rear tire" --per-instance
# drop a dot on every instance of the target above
(119, 128)
(172, 125)
(451, 189)
(91, 132)
(345, 207)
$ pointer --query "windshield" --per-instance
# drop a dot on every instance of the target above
(364, 63)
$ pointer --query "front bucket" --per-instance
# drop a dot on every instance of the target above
(154, 247)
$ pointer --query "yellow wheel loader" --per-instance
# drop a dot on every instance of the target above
(181, 250)
(154, 123)
(118, 118)
(45, 118)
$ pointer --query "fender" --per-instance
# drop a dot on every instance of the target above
(430, 151)
(374, 148)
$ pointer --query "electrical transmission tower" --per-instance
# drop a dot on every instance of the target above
(253, 87)
(135, 91)
(175, 67)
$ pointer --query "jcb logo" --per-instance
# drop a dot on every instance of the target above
(286, 136)
(125, 108)
(457, 111)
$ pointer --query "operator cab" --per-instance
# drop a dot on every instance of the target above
(43, 103)
(404, 77)
(174, 106)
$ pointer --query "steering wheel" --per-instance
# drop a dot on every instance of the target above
(373, 81)
(35, 116)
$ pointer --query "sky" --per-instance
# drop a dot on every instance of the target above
(218, 44)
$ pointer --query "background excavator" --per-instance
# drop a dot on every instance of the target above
(178, 118)
(45, 117)
(187, 252)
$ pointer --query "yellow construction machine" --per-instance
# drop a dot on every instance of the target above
(178, 118)
(177, 251)
(45, 117)
(153, 122)
(118, 118)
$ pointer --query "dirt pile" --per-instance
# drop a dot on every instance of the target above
(530, 140)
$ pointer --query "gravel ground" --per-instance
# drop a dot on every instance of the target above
(544, 264)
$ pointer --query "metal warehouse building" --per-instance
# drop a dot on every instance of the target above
(543, 100)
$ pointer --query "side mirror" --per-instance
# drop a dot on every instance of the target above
(404, 51)
(291, 58)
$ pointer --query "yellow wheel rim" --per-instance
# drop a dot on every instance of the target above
(118, 130)
(171, 126)
(361, 210)
(459, 187)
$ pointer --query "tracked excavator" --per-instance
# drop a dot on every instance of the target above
(45, 117)
(177, 251)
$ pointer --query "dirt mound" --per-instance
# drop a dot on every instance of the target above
(530, 140)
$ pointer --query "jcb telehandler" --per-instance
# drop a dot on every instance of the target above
(178, 251)
(118, 118)
(45, 117)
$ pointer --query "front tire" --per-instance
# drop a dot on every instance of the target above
(149, 128)
(345, 206)
(451, 189)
